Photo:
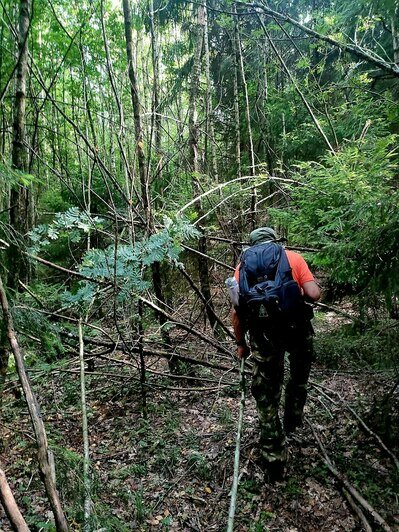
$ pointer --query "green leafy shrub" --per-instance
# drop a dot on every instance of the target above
(34, 325)
(350, 346)
(346, 206)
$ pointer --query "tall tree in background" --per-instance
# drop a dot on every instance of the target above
(20, 209)
(20, 213)
(194, 157)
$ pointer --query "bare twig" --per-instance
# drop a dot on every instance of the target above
(216, 261)
(187, 327)
(358, 511)
(362, 423)
(346, 484)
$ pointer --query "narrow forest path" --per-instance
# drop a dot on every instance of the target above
(173, 471)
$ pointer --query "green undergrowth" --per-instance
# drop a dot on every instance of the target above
(374, 346)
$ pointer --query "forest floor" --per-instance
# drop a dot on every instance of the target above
(173, 470)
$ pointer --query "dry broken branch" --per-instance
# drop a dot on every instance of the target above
(14, 515)
(348, 486)
(37, 421)
(362, 423)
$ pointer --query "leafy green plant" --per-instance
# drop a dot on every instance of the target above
(71, 224)
(292, 488)
(127, 265)
(140, 509)
(351, 346)
(225, 416)
(200, 465)
(261, 525)
(346, 206)
(34, 326)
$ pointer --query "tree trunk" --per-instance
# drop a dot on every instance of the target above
(4, 356)
(19, 199)
(156, 120)
(193, 141)
(210, 148)
(134, 91)
(143, 169)
(240, 58)
(236, 99)
(395, 34)
(14, 515)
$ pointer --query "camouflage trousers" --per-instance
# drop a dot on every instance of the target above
(269, 343)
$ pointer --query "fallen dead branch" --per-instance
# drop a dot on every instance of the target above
(44, 456)
(10, 506)
(337, 311)
(216, 261)
(172, 355)
(362, 423)
(150, 385)
(186, 327)
(358, 511)
(346, 484)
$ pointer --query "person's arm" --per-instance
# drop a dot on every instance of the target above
(311, 290)
(303, 276)
(239, 332)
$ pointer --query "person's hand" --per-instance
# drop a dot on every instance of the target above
(242, 351)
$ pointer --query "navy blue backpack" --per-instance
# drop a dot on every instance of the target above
(266, 285)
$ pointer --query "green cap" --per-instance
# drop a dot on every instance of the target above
(262, 234)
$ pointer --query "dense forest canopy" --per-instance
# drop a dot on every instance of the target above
(213, 93)
(140, 142)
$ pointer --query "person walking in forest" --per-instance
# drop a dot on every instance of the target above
(273, 287)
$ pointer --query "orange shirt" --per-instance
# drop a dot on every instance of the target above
(300, 270)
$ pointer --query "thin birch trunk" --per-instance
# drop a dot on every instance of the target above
(249, 127)
(85, 433)
(210, 148)
(143, 169)
(234, 488)
(138, 128)
(194, 158)
(236, 98)
(156, 119)
(395, 34)
(142, 360)
(129, 176)
(4, 357)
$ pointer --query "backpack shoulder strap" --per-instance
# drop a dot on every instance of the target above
(284, 269)
(253, 259)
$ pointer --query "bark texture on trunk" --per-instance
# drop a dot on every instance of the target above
(194, 158)
(395, 34)
(236, 98)
(19, 198)
(138, 128)
(143, 168)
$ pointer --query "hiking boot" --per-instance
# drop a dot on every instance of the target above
(274, 471)
(291, 424)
